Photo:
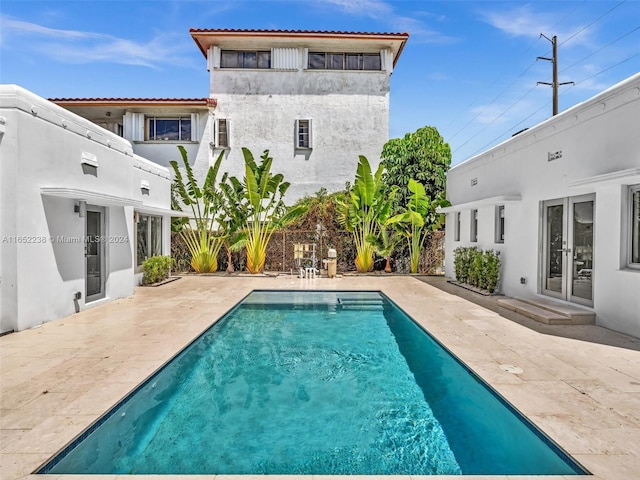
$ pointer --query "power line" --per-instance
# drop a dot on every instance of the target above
(593, 22)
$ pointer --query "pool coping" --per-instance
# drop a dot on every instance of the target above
(461, 321)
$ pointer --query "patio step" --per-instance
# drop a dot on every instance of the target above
(549, 312)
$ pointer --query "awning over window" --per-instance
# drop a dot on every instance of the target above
(500, 200)
(95, 198)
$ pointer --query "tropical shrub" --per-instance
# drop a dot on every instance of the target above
(198, 234)
(492, 269)
(155, 269)
(364, 211)
(416, 219)
(261, 206)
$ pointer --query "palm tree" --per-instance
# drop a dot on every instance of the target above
(365, 210)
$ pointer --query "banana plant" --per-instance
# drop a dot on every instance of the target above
(418, 218)
(365, 210)
(202, 240)
(261, 206)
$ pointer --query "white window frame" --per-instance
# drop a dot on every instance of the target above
(473, 230)
(149, 236)
(499, 224)
(299, 134)
(148, 121)
(217, 130)
(633, 227)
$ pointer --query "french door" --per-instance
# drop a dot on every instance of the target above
(567, 249)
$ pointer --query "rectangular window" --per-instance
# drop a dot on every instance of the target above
(149, 237)
(344, 61)
(474, 226)
(245, 59)
(500, 224)
(222, 133)
(634, 227)
(456, 236)
(168, 129)
(303, 133)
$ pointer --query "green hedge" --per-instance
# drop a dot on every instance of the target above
(477, 268)
(156, 269)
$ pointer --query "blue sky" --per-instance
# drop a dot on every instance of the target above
(469, 67)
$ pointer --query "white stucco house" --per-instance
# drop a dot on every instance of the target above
(316, 99)
(79, 212)
(561, 202)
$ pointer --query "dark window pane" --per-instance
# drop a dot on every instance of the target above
(223, 134)
(372, 62)
(336, 61)
(354, 61)
(155, 236)
(264, 59)
(167, 129)
(229, 59)
(142, 249)
(316, 61)
(185, 129)
(249, 60)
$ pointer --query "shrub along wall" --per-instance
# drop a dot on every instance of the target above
(477, 268)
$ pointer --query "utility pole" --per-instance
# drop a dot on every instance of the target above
(554, 61)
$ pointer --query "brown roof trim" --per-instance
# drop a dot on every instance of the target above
(297, 33)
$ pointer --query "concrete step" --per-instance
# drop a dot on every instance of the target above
(549, 312)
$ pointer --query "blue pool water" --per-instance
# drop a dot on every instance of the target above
(313, 383)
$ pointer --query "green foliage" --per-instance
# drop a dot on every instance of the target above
(205, 202)
(257, 204)
(477, 268)
(416, 219)
(364, 211)
(422, 156)
(156, 269)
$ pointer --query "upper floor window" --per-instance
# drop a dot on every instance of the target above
(303, 133)
(634, 227)
(245, 59)
(167, 128)
(344, 61)
(500, 224)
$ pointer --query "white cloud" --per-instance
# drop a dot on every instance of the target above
(75, 46)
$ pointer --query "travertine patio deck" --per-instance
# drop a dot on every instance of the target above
(60, 377)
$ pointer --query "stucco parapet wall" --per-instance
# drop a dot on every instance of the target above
(16, 97)
(148, 166)
(614, 97)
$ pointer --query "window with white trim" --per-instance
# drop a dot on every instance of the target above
(168, 128)
(634, 226)
(303, 133)
(222, 132)
(456, 232)
(148, 238)
(473, 237)
(499, 224)
(245, 59)
(344, 61)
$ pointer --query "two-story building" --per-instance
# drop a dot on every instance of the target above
(315, 99)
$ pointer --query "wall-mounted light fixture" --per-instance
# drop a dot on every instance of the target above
(89, 164)
(145, 187)
(81, 208)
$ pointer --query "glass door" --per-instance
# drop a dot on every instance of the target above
(567, 252)
(94, 254)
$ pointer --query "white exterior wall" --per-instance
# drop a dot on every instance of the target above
(41, 181)
(600, 144)
(349, 113)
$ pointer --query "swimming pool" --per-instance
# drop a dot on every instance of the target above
(313, 383)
